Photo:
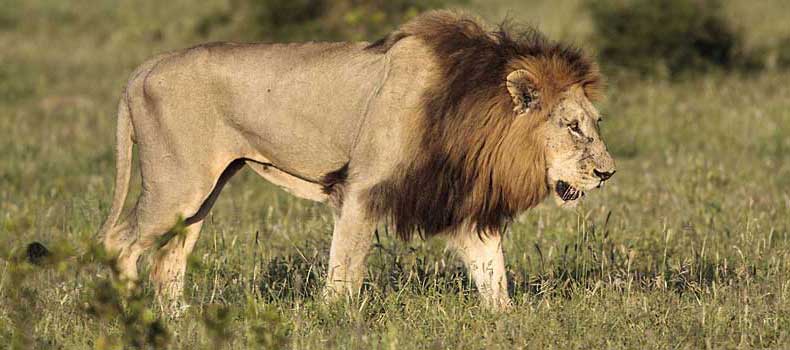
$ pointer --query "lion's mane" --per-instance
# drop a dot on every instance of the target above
(477, 162)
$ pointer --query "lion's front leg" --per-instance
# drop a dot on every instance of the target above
(351, 241)
(485, 263)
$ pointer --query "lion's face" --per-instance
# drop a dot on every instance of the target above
(576, 156)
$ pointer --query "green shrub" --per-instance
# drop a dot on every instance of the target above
(333, 20)
(667, 37)
(783, 53)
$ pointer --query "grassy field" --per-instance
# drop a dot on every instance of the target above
(689, 247)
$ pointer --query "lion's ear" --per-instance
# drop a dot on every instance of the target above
(523, 91)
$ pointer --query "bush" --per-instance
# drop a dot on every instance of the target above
(783, 53)
(332, 20)
(667, 37)
(336, 19)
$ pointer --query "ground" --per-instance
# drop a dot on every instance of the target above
(687, 247)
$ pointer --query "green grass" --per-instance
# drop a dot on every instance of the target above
(687, 248)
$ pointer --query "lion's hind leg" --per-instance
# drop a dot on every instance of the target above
(117, 242)
(170, 260)
(169, 264)
(170, 194)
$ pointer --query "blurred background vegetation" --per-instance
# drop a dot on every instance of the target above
(688, 247)
(313, 20)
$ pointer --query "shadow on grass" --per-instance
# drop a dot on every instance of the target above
(391, 268)
(395, 268)
(292, 277)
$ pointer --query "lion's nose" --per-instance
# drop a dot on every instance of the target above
(603, 175)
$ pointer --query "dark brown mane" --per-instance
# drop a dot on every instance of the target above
(477, 163)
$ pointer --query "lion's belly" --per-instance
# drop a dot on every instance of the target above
(291, 184)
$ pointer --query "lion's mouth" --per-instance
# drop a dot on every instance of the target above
(567, 192)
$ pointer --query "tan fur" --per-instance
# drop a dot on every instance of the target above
(442, 127)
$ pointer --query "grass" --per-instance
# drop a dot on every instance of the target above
(687, 248)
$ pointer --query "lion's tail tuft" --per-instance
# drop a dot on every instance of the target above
(36, 253)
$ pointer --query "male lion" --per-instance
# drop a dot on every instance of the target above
(442, 128)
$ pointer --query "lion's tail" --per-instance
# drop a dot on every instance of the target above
(123, 164)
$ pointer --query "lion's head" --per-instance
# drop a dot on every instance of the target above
(507, 122)
(576, 157)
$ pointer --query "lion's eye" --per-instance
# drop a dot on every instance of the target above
(574, 128)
